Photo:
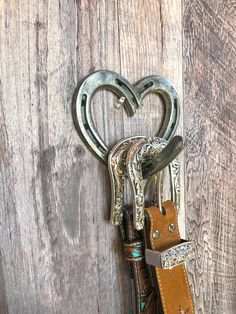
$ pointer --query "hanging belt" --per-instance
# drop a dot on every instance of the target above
(144, 296)
(166, 253)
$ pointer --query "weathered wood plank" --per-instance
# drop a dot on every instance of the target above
(210, 125)
(152, 32)
(59, 253)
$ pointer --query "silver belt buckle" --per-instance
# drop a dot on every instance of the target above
(173, 256)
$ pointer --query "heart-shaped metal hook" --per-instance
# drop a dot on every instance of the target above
(131, 96)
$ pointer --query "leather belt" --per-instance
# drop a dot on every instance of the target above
(158, 275)
(144, 296)
(162, 240)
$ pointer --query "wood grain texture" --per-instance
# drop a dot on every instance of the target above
(210, 126)
(59, 254)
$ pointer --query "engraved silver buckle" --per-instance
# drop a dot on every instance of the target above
(173, 256)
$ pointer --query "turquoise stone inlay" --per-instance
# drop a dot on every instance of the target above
(142, 303)
(139, 253)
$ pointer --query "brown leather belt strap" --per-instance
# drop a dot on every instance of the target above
(144, 296)
(161, 233)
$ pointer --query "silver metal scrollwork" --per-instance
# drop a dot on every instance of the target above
(117, 167)
(131, 154)
(140, 151)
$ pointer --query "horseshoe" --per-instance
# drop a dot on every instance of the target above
(130, 97)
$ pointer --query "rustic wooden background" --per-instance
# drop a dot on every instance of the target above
(59, 253)
(210, 127)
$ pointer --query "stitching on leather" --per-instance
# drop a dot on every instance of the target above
(183, 266)
(176, 219)
(189, 293)
(162, 293)
(137, 277)
(156, 269)
(137, 280)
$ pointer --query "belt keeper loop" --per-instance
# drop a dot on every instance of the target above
(134, 251)
(174, 256)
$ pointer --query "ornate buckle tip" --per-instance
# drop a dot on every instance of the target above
(173, 256)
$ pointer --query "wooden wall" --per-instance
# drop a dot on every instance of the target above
(59, 254)
(210, 127)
